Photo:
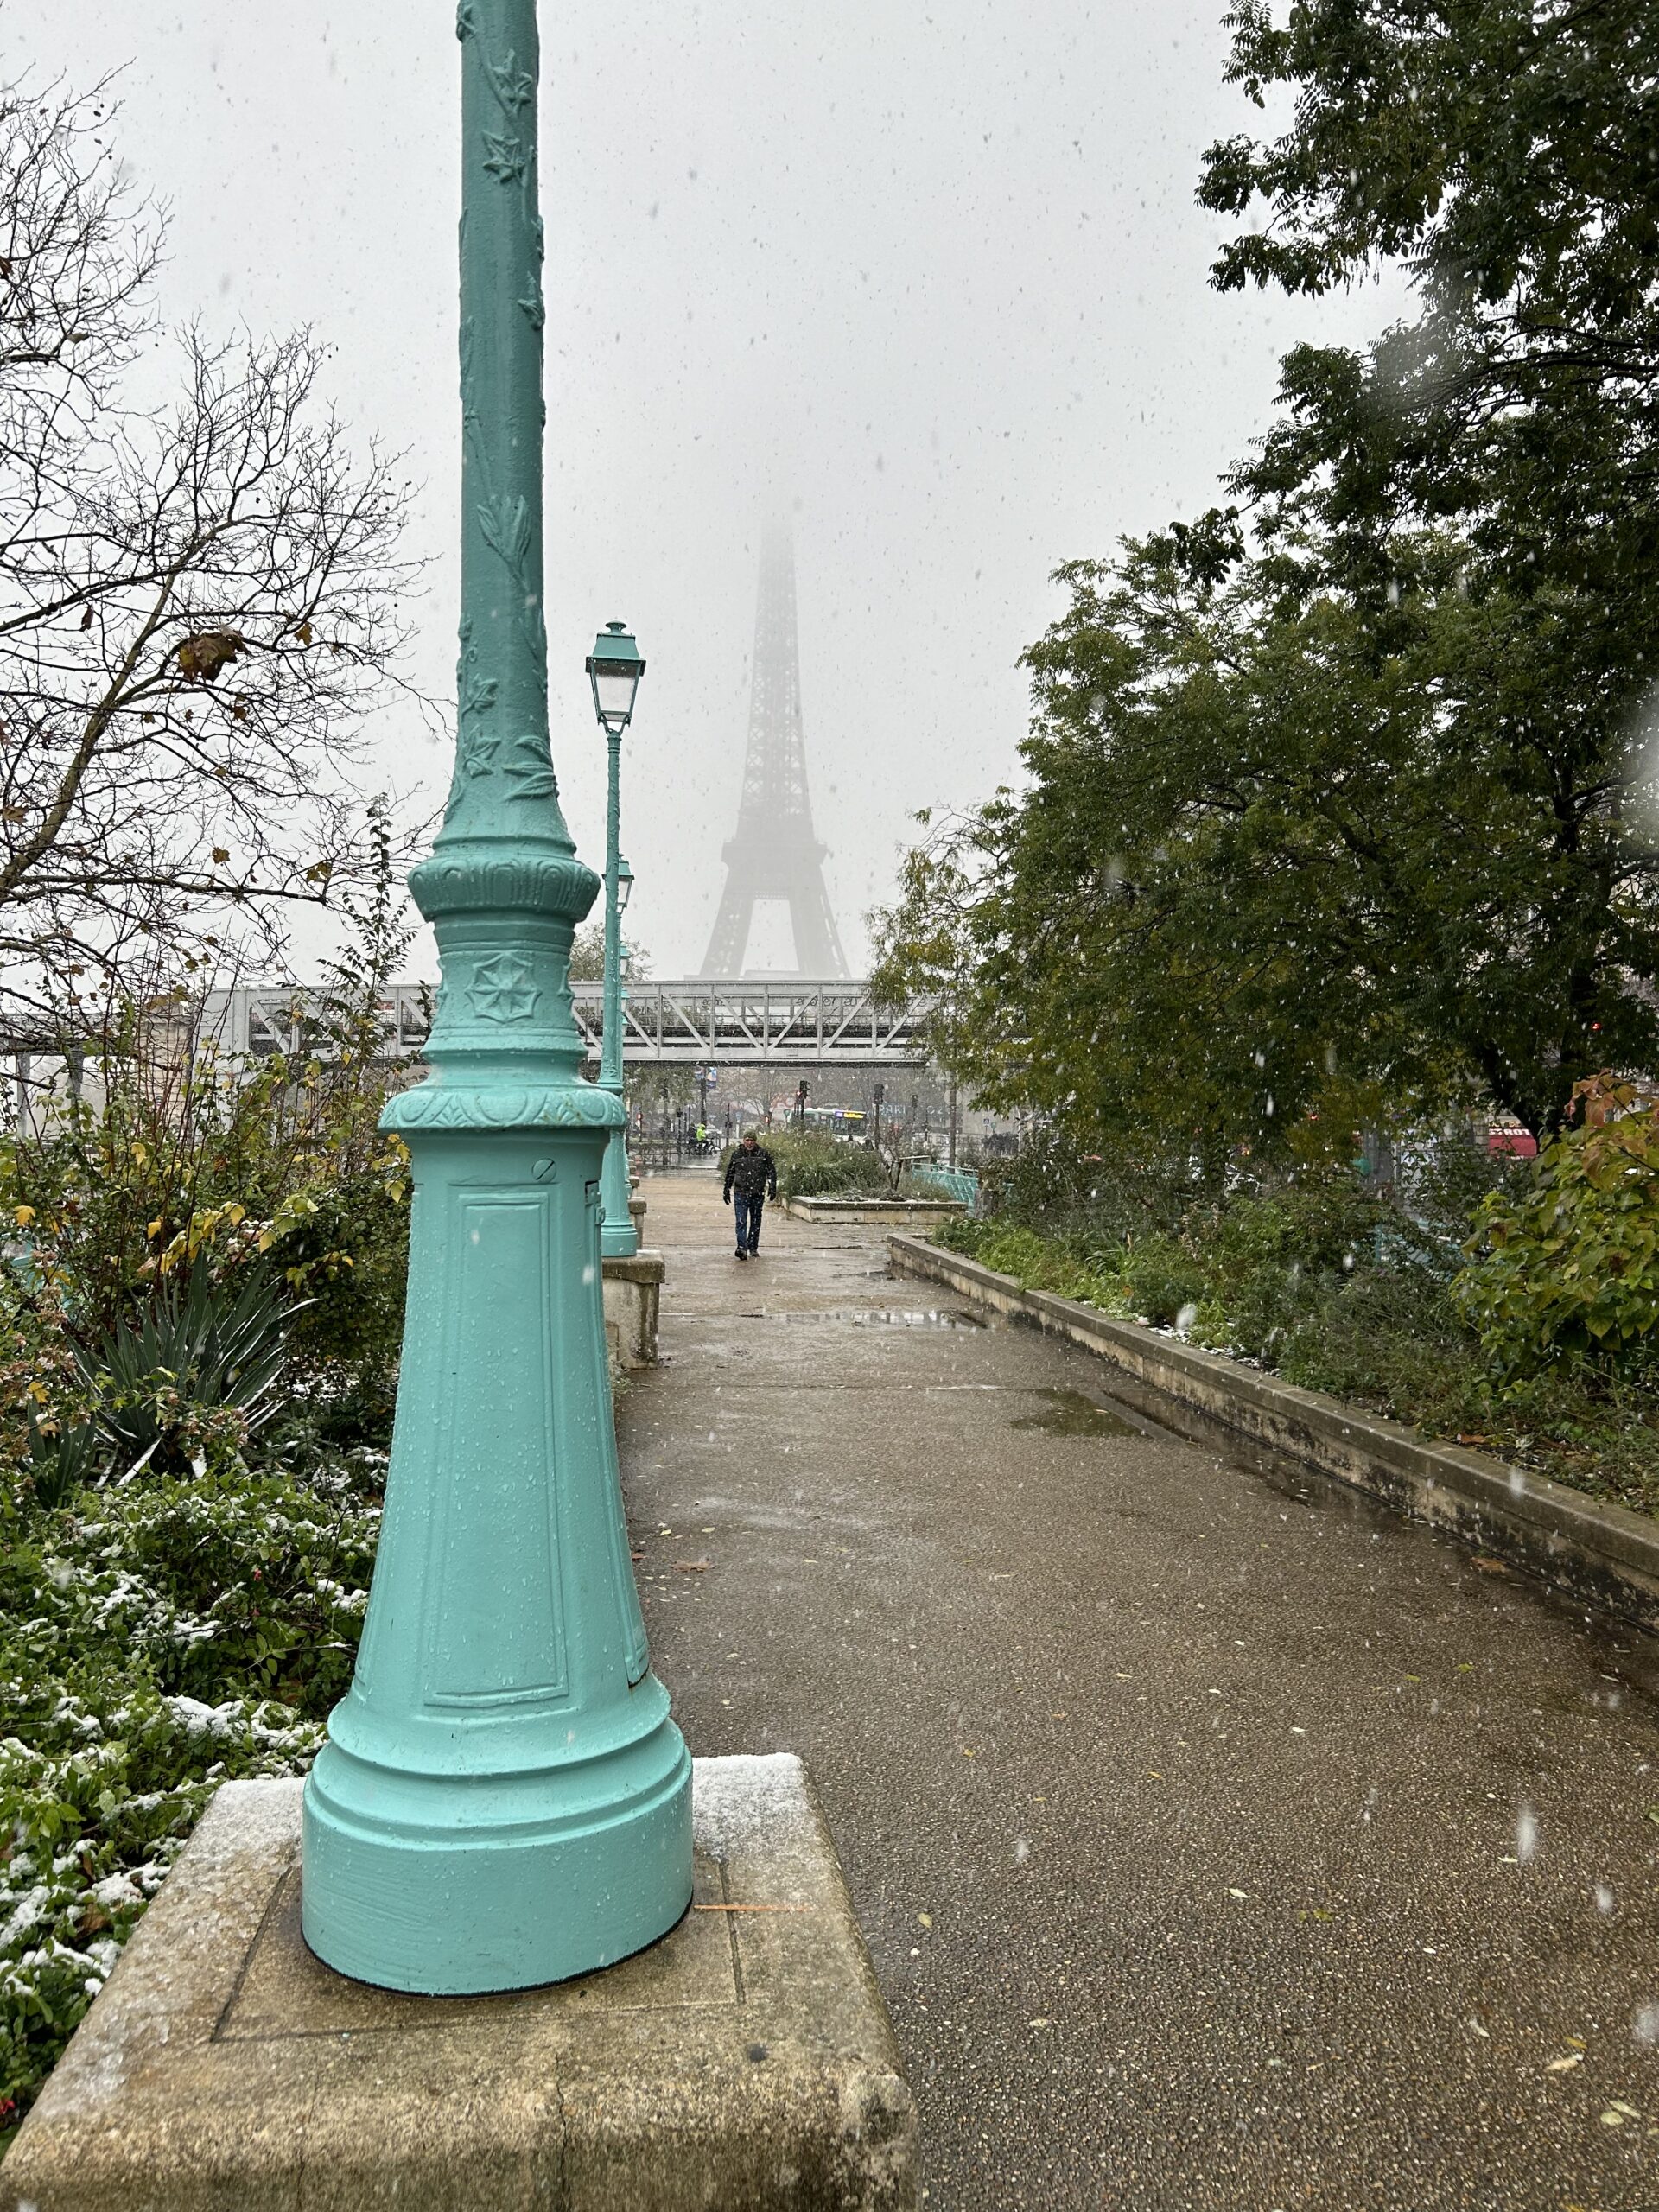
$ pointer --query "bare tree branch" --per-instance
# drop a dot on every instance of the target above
(199, 600)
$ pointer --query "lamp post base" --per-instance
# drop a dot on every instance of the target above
(633, 1295)
(450, 1885)
(503, 1799)
(619, 1237)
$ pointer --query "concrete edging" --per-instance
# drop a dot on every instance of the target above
(864, 1210)
(1603, 1554)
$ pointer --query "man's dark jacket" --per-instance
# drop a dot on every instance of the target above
(751, 1174)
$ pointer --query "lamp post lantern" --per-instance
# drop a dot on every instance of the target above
(614, 668)
(503, 1799)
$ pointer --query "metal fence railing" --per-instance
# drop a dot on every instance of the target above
(950, 1182)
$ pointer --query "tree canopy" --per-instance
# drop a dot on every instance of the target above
(1338, 802)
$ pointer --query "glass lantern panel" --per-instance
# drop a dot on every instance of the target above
(614, 694)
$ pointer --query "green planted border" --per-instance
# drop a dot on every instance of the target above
(1373, 1320)
(814, 1166)
(156, 1638)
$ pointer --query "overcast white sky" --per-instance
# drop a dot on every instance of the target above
(929, 275)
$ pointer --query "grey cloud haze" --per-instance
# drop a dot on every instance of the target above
(931, 279)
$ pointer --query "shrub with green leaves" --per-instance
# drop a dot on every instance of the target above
(1270, 1257)
(1567, 1271)
(812, 1165)
(1162, 1281)
(196, 1372)
(1036, 1262)
(154, 1640)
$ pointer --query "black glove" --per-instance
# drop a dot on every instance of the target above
(726, 1196)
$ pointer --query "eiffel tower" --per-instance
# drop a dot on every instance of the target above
(774, 854)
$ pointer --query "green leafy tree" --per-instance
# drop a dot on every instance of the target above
(926, 945)
(1504, 152)
(588, 954)
(1333, 806)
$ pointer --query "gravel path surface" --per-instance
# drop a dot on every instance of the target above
(1220, 1841)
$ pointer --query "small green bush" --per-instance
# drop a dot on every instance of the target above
(1034, 1263)
(1161, 1279)
(155, 1639)
(1105, 1199)
(1568, 1270)
(199, 1369)
(811, 1165)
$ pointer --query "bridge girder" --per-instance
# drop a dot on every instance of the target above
(743, 1022)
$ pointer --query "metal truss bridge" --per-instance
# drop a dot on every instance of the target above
(782, 1021)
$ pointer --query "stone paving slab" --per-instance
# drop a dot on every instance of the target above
(1224, 1843)
(743, 2062)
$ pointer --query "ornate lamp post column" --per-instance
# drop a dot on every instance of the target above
(615, 667)
(503, 1799)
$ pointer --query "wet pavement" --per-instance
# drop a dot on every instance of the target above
(1220, 1841)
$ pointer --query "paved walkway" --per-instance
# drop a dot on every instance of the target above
(1220, 1841)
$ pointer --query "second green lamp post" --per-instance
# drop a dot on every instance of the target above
(614, 668)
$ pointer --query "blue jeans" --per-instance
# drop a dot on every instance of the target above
(748, 1212)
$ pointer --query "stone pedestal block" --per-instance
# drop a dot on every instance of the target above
(633, 1292)
(743, 2062)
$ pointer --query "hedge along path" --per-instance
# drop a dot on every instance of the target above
(1602, 1554)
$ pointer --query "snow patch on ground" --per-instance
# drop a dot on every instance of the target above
(746, 1799)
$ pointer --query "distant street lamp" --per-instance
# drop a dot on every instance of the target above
(614, 668)
(503, 1799)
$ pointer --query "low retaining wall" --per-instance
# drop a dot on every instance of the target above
(1603, 1554)
(860, 1208)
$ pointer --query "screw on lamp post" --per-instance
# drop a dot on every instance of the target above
(503, 1799)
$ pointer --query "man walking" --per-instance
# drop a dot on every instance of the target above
(751, 1177)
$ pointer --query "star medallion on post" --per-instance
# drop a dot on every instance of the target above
(502, 991)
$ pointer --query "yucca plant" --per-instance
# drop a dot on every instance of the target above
(62, 1461)
(203, 1347)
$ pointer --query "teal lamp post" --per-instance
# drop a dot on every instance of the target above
(503, 1799)
(614, 668)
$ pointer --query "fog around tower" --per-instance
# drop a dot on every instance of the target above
(931, 282)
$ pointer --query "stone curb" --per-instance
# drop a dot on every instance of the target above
(868, 1212)
(1604, 1555)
